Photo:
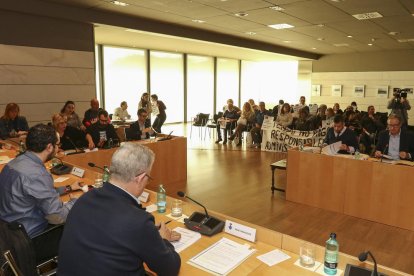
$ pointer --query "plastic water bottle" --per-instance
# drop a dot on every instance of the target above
(331, 255)
(161, 199)
(106, 174)
(357, 155)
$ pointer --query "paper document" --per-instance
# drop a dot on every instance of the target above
(273, 257)
(332, 149)
(151, 208)
(222, 257)
(61, 179)
(188, 237)
(4, 159)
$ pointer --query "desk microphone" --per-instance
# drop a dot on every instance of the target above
(202, 223)
(77, 151)
(93, 165)
(383, 152)
(363, 257)
(182, 194)
(61, 168)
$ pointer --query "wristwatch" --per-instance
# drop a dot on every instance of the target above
(68, 189)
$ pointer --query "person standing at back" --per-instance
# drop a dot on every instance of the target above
(109, 233)
(161, 116)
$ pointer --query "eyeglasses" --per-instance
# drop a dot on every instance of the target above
(393, 126)
(143, 116)
(103, 121)
(147, 175)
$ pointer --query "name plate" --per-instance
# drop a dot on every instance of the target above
(78, 172)
(143, 197)
(240, 230)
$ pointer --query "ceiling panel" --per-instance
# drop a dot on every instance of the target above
(401, 24)
(79, 3)
(268, 17)
(385, 7)
(233, 22)
(236, 6)
(354, 27)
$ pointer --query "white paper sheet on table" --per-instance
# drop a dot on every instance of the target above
(332, 149)
(188, 237)
(222, 257)
(273, 257)
(61, 179)
(4, 159)
(151, 208)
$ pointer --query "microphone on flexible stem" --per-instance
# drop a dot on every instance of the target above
(61, 168)
(363, 257)
(182, 194)
(75, 147)
(383, 152)
(93, 165)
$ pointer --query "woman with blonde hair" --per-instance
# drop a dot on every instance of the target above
(246, 119)
(70, 137)
(11, 123)
(285, 117)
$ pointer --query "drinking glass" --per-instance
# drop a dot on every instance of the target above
(177, 208)
(98, 181)
(307, 255)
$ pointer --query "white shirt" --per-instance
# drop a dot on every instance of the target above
(120, 114)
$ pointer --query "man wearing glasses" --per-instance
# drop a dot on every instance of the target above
(100, 133)
(141, 129)
(27, 194)
(395, 142)
(108, 232)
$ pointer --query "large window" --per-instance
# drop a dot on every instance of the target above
(167, 82)
(125, 77)
(200, 85)
(269, 82)
(227, 82)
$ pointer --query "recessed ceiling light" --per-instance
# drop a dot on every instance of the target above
(250, 33)
(133, 31)
(341, 45)
(281, 26)
(368, 15)
(393, 33)
(349, 36)
(241, 14)
(370, 44)
(119, 3)
(276, 8)
(320, 39)
(313, 48)
(320, 25)
(198, 21)
(406, 40)
(287, 41)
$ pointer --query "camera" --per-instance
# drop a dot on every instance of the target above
(400, 93)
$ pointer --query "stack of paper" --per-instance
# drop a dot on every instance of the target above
(332, 149)
(188, 237)
(222, 257)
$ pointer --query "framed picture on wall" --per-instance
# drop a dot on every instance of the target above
(337, 90)
(359, 91)
(410, 91)
(382, 91)
(316, 90)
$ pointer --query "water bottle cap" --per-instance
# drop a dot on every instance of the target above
(333, 236)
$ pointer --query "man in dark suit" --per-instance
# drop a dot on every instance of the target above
(108, 233)
(141, 129)
(395, 142)
(339, 132)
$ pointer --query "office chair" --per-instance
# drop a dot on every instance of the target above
(199, 121)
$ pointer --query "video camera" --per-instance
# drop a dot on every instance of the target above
(400, 93)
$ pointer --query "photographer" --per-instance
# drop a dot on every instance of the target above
(399, 105)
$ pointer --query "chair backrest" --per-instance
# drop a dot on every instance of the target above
(13, 237)
(201, 119)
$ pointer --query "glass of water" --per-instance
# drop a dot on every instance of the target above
(98, 181)
(177, 208)
(307, 255)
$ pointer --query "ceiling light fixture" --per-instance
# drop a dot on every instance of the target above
(119, 3)
(287, 41)
(341, 45)
(241, 14)
(276, 8)
(281, 26)
(349, 36)
(393, 33)
(313, 48)
(320, 39)
(370, 44)
(250, 33)
(320, 25)
(198, 21)
(368, 15)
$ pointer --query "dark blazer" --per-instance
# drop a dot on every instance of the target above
(134, 132)
(18, 124)
(108, 233)
(406, 142)
(348, 138)
(73, 137)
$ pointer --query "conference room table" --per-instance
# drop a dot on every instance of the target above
(266, 239)
(368, 189)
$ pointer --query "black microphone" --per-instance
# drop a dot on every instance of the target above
(363, 257)
(182, 194)
(93, 165)
(61, 168)
(76, 148)
(383, 152)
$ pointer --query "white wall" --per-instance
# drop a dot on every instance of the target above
(41, 80)
(371, 80)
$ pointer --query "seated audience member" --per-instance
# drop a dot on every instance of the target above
(351, 121)
(257, 128)
(371, 126)
(305, 122)
(320, 115)
(337, 109)
(354, 107)
(27, 194)
(11, 123)
(230, 117)
(141, 129)
(91, 115)
(70, 137)
(73, 119)
(109, 233)
(395, 142)
(330, 115)
(253, 104)
(99, 134)
(285, 117)
(246, 119)
(297, 107)
(161, 116)
(339, 132)
(277, 108)
(121, 112)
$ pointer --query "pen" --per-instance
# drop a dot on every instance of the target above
(164, 223)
